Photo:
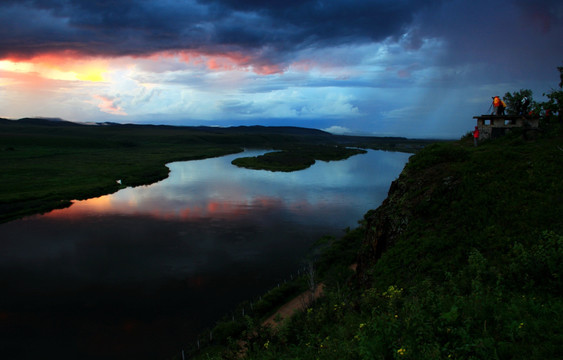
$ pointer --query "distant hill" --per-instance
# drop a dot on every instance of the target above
(355, 140)
(41, 121)
(248, 130)
(293, 130)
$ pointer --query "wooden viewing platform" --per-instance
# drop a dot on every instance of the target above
(493, 126)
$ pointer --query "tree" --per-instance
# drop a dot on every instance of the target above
(555, 103)
(514, 101)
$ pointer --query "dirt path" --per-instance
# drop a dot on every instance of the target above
(299, 303)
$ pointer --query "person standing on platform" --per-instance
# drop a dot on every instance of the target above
(498, 106)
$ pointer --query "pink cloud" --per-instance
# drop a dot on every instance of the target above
(227, 61)
(267, 69)
(110, 105)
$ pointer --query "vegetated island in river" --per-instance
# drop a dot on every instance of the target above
(47, 163)
(296, 158)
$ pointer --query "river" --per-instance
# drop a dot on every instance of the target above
(138, 273)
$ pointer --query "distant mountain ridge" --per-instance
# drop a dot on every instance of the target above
(253, 129)
(44, 121)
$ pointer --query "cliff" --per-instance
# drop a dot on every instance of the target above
(463, 260)
(452, 197)
(429, 179)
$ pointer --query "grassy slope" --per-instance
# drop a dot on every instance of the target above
(474, 271)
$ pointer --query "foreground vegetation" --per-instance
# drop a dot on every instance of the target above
(462, 261)
(45, 163)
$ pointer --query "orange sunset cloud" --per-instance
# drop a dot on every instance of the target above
(58, 66)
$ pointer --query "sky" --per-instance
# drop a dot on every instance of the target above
(413, 68)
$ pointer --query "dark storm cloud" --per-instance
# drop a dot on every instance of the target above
(267, 30)
(512, 37)
(111, 28)
(330, 21)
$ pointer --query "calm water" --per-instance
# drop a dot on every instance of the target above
(137, 274)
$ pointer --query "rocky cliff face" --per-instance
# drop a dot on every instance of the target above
(421, 185)
(383, 226)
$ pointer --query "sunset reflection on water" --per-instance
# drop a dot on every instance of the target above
(193, 191)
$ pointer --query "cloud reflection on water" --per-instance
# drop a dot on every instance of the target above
(210, 188)
(206, 216)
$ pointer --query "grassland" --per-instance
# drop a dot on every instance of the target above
(45, 164)
(462, 261)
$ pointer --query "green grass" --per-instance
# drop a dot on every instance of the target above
(44, 167)
(472, 268)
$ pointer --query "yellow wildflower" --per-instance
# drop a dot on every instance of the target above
(392, 291)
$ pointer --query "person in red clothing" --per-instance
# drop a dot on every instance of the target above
(475, 135)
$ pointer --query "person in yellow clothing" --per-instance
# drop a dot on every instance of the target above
(498, 106)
